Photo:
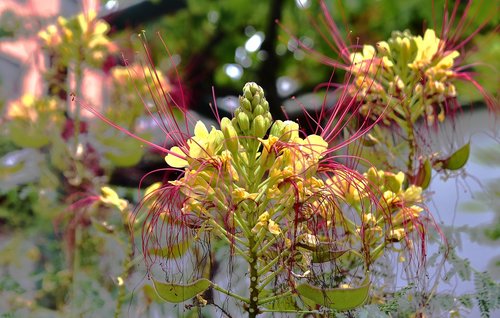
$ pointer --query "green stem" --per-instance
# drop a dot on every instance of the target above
(274, 298)
(227, 292)
(270, 277)
(253, 309)
(268, 266)
(242, 223)
(411, 142)
(225, 233)
(264, 249)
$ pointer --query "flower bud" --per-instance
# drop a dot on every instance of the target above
(290, 131)
(254, 88)
(259, 127)
(245, 104)
(230, 135)
(276, 128)
(243, 121)
(256, 101)
(265, 105)
(247, 93)
(258, 110)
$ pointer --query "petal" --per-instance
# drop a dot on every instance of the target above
(200, 130)
(273, 227)
(175, 161)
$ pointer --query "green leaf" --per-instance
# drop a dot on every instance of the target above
(177, 293)
(151, 294)
(326, 256)
(336, 298)
(172, 250)
(458, 159)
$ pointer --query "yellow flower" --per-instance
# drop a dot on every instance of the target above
(262, 222)
(273, 227)
(396, 235)
(202, 145)
(109, 196)
(412, 194)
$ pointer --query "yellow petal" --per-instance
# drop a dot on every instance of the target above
(176, 161)
(316, 145)
(273, 227)
(200, 130)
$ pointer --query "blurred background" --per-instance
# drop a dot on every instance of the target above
(63, 248)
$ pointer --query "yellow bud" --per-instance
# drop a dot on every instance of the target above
(256, 100)
(276, 128)
(369, 219)
(258, 110)
(383, 46)
(290, 131)
(259, 126)
(230, 135)
(245, 104)
(243, 122)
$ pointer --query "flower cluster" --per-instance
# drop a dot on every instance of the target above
(83, 37)
(283, 204)
(407, 73)
(398, 210)
(236, 167)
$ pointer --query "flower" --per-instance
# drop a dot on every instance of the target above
(83, 36)
(408, 75)
(404, 69)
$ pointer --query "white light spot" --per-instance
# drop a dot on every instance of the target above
(234, 71)
(241, 57)
(303, 4)
(254, 42)
(307, 41)
(111, 5)
(79, 150)
(228, 103)
(286, 86)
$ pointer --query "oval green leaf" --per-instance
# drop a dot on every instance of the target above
(326, 256)
(151, 294)
(336, 298)
(458, 159)
(177, 293)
